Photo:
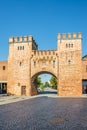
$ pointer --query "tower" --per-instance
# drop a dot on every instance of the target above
(19, 65)
(70, 64)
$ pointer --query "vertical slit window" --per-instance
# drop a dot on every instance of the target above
(18, 47)
(53, 62)
(66, 45)
(20, 63)
(34, 63)
(23, 47)
(71, 45)
(86, 68)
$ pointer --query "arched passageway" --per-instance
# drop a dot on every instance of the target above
(45, 87)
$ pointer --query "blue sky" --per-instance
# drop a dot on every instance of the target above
(43, 19)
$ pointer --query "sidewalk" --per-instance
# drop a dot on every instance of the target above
(4, 99)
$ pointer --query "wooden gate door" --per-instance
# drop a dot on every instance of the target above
(23, 90)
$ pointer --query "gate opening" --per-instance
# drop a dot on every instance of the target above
(44, 83)
(3, 88)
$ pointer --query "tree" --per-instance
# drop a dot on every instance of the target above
(46, 84)
(39, 82)
(53, 82)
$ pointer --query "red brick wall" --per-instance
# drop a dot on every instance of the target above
(3, 73)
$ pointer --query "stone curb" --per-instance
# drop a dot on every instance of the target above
(12, 99)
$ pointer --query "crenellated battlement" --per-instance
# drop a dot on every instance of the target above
(24, 39)
(44, 52)
(21, 39)
(64, 36)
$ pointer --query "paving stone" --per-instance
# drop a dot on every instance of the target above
(45, 113)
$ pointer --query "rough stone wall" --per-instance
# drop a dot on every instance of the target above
(3, 71)
(84, 69)
(70, 65)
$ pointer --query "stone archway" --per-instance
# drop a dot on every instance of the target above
(34, 82)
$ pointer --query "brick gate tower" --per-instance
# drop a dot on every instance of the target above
(70, 64)
(19, 65)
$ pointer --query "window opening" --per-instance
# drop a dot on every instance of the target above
(86, 68)
(3, 67)
(69, 61)
(34, 63)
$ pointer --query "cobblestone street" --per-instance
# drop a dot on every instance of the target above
(45, 113)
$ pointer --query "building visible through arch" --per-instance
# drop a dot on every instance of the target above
(25, 61)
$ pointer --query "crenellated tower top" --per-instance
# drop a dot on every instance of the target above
(69, 36)
(21, 39)
(24, 39)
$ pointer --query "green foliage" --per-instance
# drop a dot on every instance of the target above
(42, 87)
(39, 82)
(46, 85)
(53, 82)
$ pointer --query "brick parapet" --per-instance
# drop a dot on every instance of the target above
(69, 36)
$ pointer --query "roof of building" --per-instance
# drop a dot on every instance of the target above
(84, 57)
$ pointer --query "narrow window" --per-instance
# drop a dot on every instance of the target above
(71, 45)
(34, 63)
(3, 67)
(23, 47)
(86, 68)
(18, 47)
(66, 45)
(53, 62)
(20, 63)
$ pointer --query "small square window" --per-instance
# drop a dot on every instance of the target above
(69, 61)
